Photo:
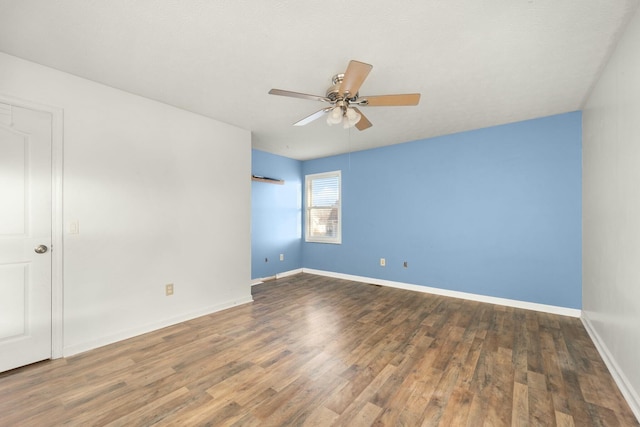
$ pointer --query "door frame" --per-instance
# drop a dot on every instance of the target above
(57, 248)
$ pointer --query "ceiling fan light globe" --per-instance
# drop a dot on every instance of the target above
(335, 116)
(353, 117)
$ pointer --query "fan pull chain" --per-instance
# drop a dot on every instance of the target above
(349, 147)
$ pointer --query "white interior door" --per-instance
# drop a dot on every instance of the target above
(25, 236)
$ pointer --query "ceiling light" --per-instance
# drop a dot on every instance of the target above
(335, 116)
(345, 115)
(351, 118)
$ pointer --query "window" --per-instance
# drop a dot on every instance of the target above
(323, 222)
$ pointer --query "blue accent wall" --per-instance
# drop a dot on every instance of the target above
(276, 215)
(494, 211)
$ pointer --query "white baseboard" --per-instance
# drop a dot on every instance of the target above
(564, 311)
(623, 383)
(277, 276)
(288, 273)
(150, 327)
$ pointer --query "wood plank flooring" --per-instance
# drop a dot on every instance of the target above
(319, 352)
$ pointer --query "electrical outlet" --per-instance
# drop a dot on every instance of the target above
(281, 257)
(168, 289)
(405, 264)
(383, 262)
(74, 227)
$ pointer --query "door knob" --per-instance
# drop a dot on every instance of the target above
(41, 249)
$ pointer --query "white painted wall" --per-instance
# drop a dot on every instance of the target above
(611, 213)
(161, 195)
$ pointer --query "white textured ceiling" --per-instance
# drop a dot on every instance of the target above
(476, 63)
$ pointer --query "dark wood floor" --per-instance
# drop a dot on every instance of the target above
(318, 351)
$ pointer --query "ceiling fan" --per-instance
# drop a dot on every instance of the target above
(344, 99)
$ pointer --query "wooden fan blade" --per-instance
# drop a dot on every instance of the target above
(298, 95)
(354, 77)
(313, 117)
(363, 123)
(391, 100)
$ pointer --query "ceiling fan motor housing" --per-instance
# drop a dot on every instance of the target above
(333, 93)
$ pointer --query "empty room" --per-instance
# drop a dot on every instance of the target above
(339, 213)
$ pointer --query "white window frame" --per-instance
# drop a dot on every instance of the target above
(308, 179)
